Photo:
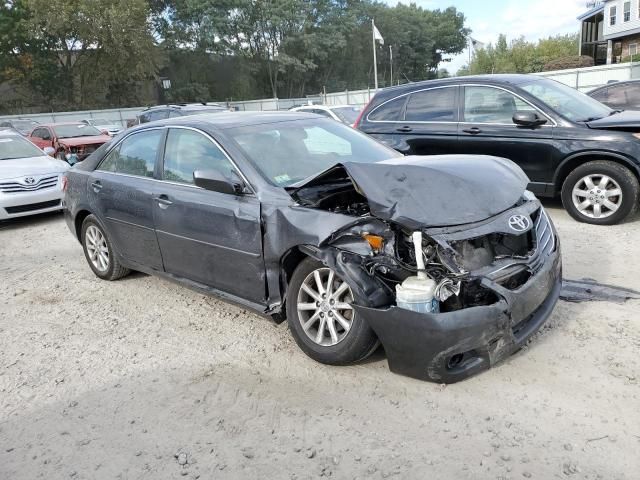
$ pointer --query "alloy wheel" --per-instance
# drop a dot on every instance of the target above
(324, 307)
(597, 196)
(97, 249)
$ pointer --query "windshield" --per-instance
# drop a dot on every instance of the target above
(17, 147)
(288, 152)
(24, 126)
(348, 115)
(75, 130)
(568, 102)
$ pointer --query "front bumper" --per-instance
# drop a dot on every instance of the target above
(14, 205)
(449, 347)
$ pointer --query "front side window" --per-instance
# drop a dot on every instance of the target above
(188, 151)
(612, 15)
(492, 105)
(136, 155)
(436, 105)
(390, 111)
(287, 152)
(627, 11)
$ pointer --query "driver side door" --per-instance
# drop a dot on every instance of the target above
(487, 128)
(210, 237)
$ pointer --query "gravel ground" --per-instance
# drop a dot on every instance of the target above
(141, 378)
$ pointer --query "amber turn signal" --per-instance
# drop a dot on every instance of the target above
(374, 241)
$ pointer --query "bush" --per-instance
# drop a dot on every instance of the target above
(564, 63)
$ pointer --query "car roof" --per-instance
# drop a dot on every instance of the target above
(615, 84)
(225, 120)
(57, 124)
(495, 79)
(186, 106)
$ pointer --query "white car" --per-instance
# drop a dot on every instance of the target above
(30, 180)
(104, 125)
(347, 114)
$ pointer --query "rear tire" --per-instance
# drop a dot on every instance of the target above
(99, 251)
(600, 193)
(326, 328)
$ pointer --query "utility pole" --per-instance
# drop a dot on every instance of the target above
(375, 61)
(391, 63)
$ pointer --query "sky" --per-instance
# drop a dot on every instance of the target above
(487, 19)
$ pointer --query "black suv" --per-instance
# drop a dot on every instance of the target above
(566, 142)
(152, 114)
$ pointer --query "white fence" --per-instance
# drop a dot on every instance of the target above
(584, 79)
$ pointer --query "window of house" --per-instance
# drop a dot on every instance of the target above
(627, 11)
(633, 49)
(612, 15)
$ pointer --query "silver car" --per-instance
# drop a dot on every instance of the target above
(30, 180)
(106, 126)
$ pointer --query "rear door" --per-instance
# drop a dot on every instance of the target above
(423, 122)
(121, 190)
(430, 125)
(487, 128)
(210, 237)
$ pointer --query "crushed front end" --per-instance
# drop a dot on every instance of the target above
(491, 271)
(501, 286)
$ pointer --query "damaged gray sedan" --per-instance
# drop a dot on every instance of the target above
(448, 262)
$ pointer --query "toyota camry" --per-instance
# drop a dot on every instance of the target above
(305, 219)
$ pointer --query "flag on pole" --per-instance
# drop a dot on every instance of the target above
(476, 44)
(376, 35)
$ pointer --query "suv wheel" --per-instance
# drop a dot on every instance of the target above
(600, 193)
(323, 322)
(99, 252)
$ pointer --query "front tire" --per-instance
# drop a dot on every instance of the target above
(99, 252)
(600, 193)
(320, 316)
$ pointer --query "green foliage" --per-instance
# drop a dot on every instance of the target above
(521, 56)
(74, 54)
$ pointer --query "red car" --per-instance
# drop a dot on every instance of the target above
(69, 138)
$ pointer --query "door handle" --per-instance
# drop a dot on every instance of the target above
(472, 130)
(405, 129)
(97, 186)
(163, 201)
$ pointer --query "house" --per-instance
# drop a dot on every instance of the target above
(610, 31)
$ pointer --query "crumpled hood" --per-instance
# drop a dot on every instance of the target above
(77, 141)
(626, 119)
(23, 167)
(434, 191)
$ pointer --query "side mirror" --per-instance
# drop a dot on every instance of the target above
(528, 119)
(216, 182)
(49, 151)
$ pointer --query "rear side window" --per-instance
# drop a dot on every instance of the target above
(601, 95)
(436, 105)
(188, 151)
(136, 155)
(388, 112)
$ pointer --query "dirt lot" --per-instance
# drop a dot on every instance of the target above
(142, 378)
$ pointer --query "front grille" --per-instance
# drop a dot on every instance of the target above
(18, 187)
(546, 242)
(33, 207)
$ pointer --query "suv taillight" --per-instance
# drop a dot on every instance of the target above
(357, 124)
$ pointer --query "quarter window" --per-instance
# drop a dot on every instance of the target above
(492, 105)
(388, 112)
(188, 151)
(436, 105)
(136, 155)
(612, 15)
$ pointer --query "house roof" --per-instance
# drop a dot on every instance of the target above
(590, 13)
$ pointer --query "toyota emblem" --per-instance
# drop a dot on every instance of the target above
(29, 180)
(519, 223)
